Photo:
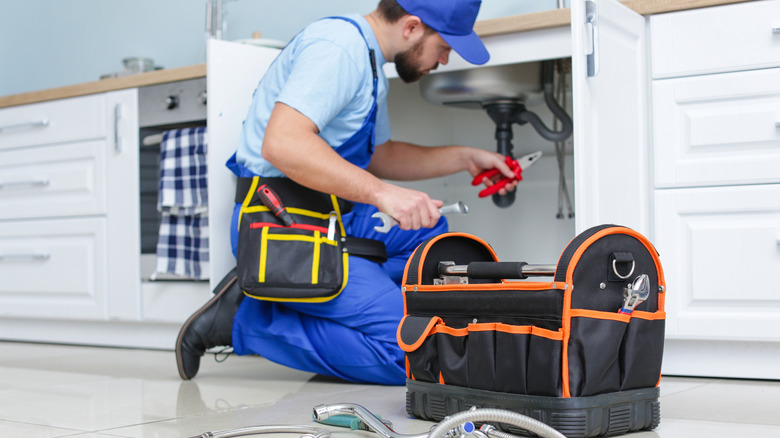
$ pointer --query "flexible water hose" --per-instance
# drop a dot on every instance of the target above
(305, 431)
(496, 416)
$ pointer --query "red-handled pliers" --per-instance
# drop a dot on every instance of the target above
(517, 166)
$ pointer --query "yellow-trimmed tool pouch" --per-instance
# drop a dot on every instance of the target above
(307, 261)
(477, 332)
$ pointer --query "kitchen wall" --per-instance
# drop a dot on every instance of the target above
(53, 43)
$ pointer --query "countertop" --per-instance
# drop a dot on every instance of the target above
(497, 26)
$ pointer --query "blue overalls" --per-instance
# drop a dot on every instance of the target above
(352, 336)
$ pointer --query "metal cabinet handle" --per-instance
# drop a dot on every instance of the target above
(117, 119)
(21, 257)
(42, 182)
(29, 125)
(592, 22)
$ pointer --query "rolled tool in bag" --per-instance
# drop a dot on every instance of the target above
(581, 351)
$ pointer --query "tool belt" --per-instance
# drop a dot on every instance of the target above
(307, 261)
(579, 353)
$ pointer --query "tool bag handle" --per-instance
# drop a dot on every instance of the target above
(498, 270)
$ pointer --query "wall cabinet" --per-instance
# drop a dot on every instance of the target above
(716, 106)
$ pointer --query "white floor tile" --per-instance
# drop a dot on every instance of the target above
(727, 401)
(16, 429)
(58, 391)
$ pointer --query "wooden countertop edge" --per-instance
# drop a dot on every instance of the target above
(485, 28)
(524, 22)
(104, 85)
(562, 17)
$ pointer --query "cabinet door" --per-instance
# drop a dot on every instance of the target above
(123, 206)
(233, 71)
(611, 172)
(740, 36)
(53, 269)
(717, 129)
(721, 252)
(58, 121)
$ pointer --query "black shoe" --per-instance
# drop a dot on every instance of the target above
(210, 326)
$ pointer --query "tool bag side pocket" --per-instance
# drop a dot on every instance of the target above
(304, 262)
(608, 350)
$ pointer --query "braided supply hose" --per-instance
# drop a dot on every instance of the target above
(495, 416)
(305, 431)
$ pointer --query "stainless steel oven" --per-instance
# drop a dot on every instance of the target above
(162, 107)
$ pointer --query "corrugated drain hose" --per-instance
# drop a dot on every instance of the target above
(495, 416)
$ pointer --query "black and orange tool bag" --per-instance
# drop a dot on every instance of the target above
(581, 353)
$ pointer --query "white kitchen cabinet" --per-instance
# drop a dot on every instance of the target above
(74, 119)
(717, 129)
(720, 245)
(70, 255)
(741, 36)
(716, 104)
(54, 268)
(53, 180)
(68, 209)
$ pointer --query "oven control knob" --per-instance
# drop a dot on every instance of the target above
(171, 102)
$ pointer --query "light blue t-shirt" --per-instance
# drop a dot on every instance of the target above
(325, 74)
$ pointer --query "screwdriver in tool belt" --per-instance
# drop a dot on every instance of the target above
(271, 200)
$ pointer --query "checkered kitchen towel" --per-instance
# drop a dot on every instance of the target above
(183, 244)
(183, 180)
(183, 248)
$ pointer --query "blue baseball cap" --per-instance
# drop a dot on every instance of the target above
(454, 21)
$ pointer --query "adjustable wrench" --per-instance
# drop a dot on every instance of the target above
(635, 294)
(388, 222)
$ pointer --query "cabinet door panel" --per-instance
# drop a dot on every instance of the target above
(77, 118)
(123, 206)
(612, 180)
(721, 251)
(234, 70)
(725, 38)
(53, 181)
(53, 269)
(717, 129)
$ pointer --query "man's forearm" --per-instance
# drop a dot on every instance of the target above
(400, 161)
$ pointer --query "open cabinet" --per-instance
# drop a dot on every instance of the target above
(607, 174)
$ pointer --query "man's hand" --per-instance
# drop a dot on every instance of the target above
(482, 160)
(412, 209)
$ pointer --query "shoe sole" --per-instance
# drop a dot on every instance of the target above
(194, 316)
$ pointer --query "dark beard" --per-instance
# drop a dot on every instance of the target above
(406, 64)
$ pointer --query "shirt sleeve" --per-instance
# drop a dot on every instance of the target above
(323, 80)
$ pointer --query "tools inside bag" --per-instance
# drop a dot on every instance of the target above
(581, 352)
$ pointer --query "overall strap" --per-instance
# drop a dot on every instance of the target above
(371, 54)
